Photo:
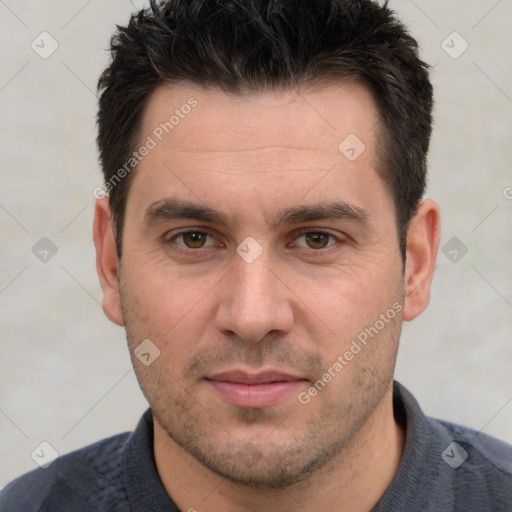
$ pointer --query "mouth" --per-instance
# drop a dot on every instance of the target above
(264, 389)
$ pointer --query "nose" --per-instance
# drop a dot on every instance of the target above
(254, 301)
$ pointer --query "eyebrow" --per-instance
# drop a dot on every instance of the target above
(173, 209)
(337, 210)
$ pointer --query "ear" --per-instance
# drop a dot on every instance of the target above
(107, 261)
(422, 245)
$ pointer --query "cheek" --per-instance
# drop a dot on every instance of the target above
(349, 299)
(172, 310)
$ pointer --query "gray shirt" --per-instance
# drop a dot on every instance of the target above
(445, 467)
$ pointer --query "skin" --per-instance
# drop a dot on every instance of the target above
(295, 308)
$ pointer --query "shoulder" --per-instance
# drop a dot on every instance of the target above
(446, 466)
(485, 450)
(70, 481)
(476, 466)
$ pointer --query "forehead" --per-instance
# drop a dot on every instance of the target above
(274, 146)
(321, 116)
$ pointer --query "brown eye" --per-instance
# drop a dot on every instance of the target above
(193, 239)
(317, 240)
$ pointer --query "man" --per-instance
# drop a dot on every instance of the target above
(263, 238)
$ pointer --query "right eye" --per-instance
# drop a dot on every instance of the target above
(193, 239)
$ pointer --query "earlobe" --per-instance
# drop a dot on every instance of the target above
(107, 261)
(422, 245)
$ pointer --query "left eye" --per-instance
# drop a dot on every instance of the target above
(193, 239)
(316, 240)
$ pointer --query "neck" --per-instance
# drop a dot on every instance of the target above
(354, 480)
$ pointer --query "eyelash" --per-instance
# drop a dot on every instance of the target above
(297, 234)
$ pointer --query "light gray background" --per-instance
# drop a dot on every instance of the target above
(65, 374)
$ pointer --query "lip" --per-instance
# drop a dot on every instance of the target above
(263, 389)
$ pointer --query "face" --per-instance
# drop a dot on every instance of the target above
(260, 258)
